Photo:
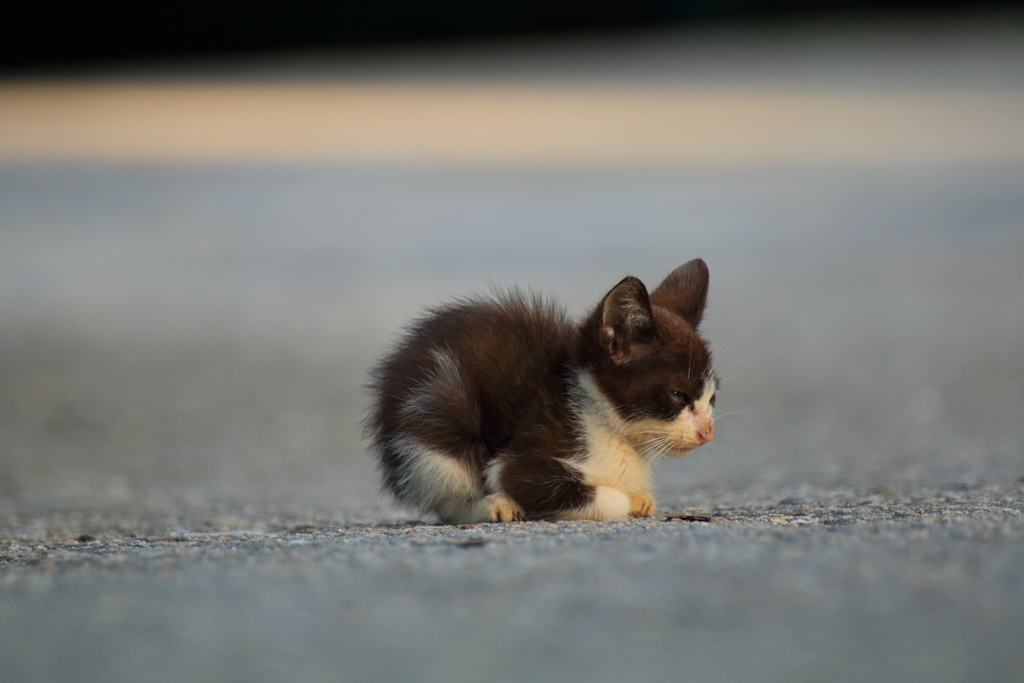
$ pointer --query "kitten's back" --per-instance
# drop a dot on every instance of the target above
(467, 377)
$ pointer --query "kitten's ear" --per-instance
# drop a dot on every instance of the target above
(627, 324)
(685, 291)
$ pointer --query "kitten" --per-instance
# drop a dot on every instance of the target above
(502, 409)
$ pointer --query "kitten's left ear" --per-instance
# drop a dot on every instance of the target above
(627, 323)
(685, 291)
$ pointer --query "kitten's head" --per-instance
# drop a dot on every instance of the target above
(647, 360)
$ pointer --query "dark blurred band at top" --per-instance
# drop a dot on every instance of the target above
(45, 33)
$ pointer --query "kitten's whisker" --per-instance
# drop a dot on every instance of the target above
(745, 356)
(689, 368)
(650, 455)
(655, 439)
(653, 451)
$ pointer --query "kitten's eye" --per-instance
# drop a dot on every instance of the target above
(679, 397)
(713, 398)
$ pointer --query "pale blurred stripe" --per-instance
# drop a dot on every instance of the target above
(507, 124)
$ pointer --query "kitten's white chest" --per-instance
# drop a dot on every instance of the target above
(609, 459)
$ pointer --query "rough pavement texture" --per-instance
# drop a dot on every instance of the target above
(184, 495)
(922, 585)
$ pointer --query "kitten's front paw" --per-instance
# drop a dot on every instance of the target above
(641, 505)
(503, 509)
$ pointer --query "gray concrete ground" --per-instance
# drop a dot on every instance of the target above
(184, 495)
(845, 587)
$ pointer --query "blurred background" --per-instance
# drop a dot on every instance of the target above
(214, 218)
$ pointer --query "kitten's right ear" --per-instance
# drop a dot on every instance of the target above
(627, 323)
(685, 291)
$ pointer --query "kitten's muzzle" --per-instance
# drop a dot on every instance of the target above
(706, 432)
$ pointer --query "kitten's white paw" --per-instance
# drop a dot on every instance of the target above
(501, 508)
(641, 505)
(608, 503)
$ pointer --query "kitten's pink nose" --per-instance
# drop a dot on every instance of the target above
(706, 432)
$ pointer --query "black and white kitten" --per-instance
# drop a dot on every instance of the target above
(503, 409)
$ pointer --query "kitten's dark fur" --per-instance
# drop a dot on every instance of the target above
(502, 409)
